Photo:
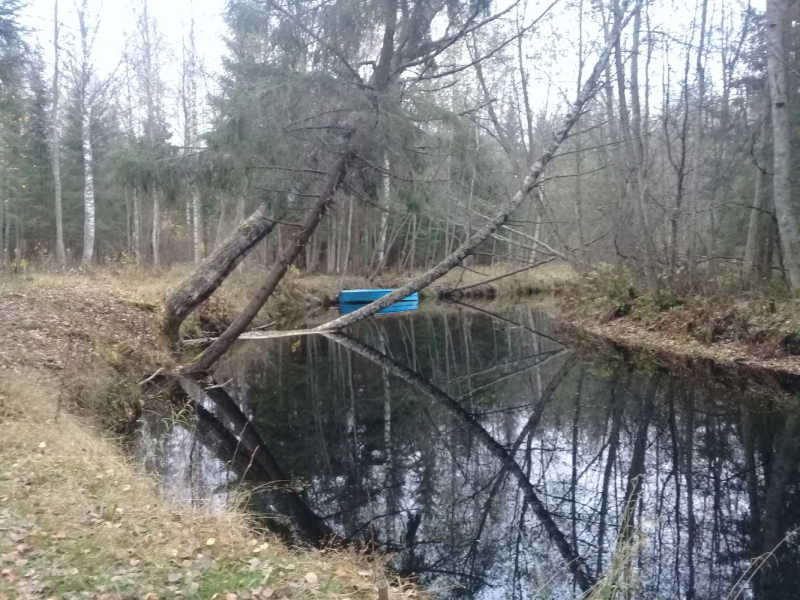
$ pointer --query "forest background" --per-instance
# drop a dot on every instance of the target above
(151, 145)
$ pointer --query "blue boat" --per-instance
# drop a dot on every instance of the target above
(394, 308)
(367, 296)
(352, 300)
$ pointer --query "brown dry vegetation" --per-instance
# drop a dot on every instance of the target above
(78, 518)
(736, 329)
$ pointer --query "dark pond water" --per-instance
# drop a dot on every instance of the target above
(486, 455)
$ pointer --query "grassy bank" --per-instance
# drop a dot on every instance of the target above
(78, 517)
(745, 329)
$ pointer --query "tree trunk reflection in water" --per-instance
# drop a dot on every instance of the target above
(238, 443)
(611, 457)
(784, 464)
(575, 563)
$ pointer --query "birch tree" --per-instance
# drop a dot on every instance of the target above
(147, 67)
(83, 71)
(189, 76)
(777, 17)
(56, 145)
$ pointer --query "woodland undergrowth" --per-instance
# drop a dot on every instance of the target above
(763, 321)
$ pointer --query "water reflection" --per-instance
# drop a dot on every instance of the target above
(495, 463)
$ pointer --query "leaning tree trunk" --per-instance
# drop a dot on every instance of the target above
(290, 252)
(782, 157)
(210, 275)
(508, 208)
(88, 189)
(300, 239)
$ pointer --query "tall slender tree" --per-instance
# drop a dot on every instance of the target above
(83, 75)
(777, 17)
(56, 144)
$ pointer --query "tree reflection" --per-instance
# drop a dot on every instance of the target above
(492, 462)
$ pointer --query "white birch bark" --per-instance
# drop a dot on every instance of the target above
(137, 235)
(781, 139)
(56, 153)
(88, 188)
(190, 226)
(197, 230)
(86, 139)
(386, 193)
(156, 229)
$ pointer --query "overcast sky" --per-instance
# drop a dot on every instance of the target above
(117, 22)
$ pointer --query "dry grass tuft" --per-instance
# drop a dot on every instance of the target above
(622, 579)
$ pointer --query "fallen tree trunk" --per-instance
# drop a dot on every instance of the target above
(210, 275)
(288, 255)
(508, 208)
